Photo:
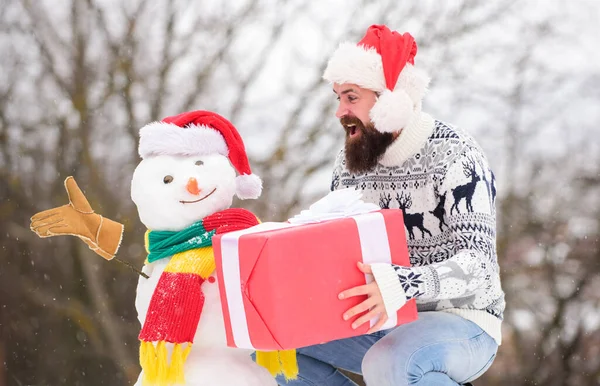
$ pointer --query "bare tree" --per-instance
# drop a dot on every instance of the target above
(80, 78)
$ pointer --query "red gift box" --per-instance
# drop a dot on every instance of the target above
(279, 283)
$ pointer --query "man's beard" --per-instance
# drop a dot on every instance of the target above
(363, 153)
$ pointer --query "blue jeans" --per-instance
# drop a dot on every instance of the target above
(438, 349)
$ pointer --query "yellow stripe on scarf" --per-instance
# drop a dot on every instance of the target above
(199, 261)
(279, 362)
(147, 242)
(157, 371)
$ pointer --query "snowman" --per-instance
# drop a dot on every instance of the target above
(183, 189)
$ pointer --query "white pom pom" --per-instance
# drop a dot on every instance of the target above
(248, 186)
(392, 111)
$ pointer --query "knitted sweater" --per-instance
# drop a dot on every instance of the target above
(440, 179)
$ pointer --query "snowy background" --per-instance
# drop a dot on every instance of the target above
(78, 78)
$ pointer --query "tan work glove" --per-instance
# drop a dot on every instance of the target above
(77, 218)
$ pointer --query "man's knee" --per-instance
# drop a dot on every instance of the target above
(383, 366)
(397, 360)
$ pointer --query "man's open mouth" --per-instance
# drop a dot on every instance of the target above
(351, 129)
(200, 199)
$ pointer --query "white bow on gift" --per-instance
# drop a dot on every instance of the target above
(337, 204)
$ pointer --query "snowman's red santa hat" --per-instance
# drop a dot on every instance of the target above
(201, 133)
(382, 61)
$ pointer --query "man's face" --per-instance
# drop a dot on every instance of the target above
(354, 101)
(364, 144)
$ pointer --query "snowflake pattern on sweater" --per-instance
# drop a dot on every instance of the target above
(446, 191)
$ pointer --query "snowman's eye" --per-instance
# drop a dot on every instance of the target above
(168, 179)
(199, 163)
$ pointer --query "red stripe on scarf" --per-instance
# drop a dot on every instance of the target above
(174, 314)
(230, 220)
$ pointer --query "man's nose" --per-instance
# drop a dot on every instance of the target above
(341, 111)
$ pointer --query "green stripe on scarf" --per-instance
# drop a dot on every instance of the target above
(163, 244)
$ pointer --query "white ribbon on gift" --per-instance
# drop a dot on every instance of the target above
(372, 233)
(337, 204)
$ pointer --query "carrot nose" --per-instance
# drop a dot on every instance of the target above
(192, 186)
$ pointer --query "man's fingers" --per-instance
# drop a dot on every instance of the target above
(356, 291)
(76, 196)
(366, 317)
(382, 319)
(363, 306)
(364, 268)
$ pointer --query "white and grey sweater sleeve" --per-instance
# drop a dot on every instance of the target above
(473, 262)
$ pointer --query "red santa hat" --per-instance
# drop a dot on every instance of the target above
(382, 61)
(201, 133)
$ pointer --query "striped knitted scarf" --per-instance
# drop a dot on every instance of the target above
(177, 301)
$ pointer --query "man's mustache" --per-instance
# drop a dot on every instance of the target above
(349, 122)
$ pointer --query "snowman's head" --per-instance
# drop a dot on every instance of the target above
(173, 192)
(189, 170)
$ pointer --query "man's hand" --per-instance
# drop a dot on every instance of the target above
(373, 304)
(77, 218)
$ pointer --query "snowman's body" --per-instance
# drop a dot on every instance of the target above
(210, 362)
(196, 188)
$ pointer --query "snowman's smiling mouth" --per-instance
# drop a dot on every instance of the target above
(200, 199)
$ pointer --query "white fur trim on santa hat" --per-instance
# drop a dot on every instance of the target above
(160, 138)
(248, 186)
(363, 66)
(392, 111)
(356, 64)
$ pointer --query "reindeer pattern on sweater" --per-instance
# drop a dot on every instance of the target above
(447, 193)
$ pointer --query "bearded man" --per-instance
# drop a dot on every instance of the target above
(401, 158)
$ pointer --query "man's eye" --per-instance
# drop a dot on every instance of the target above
(338, 98)
(168, 179)
(199, 163)
(351, 98)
